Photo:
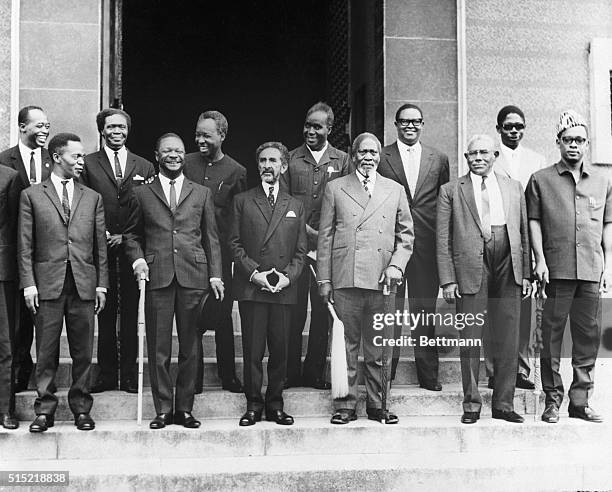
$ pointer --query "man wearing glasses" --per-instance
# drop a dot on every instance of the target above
(421, 170)
(570, 222)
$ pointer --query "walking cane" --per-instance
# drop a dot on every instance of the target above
(141, 333)
(384, 377)
(537, 346)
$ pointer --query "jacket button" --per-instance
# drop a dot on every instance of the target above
(176, 250)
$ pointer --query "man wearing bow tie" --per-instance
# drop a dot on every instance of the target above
(113, 171)
(268, 242)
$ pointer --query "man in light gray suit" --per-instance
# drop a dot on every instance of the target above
(483, 261)
(365, 241)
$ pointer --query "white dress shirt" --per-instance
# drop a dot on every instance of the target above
(178, 186)
(371, 182)
(317, 154)
(411, 160)
(121, 154)
(266, 188)
(26, 154)
(496, 203)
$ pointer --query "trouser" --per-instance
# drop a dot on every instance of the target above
(24, 336)
(7, 346)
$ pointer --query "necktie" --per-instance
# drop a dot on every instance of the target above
(366, 181)
(486, 209)
(32, 168)
(172, 196)
(118, 173)
(271, 196)
(65, 201)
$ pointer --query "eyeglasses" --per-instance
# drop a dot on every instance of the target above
(363, 153)
(509, 126)
(406, 123)
(569, 140)
(474, 153)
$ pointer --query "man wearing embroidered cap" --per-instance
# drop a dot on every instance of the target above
(570, 220)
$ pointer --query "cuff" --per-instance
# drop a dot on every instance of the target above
(401, 271)
(321, 282)
(28, 291)
(101, 289)
(139, 261)
(253, 274)
(215, 278)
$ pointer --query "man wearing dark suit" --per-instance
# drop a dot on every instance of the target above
(311, 166)
(10, 187)
(421, 170)
(225, 178)
(63, 271)
(172, 240)
(33, 163)
(365, 241)
(484, 261)
(268, 241)
(113, 171)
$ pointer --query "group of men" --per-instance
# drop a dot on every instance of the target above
(363, 231)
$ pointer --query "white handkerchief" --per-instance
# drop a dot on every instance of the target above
(291, 213)
(138, 177)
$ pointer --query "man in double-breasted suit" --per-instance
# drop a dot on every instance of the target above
(33, 163)
(10, 187)
(484, 261)
(268, 241)
(113, 171)
(365, 242)
(421, 170)
(63, 271)
(172, 241)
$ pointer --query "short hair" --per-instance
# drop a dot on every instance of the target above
(360, 138)
(59, 141)
(407, 106)
(480, 136)
(219, 119)
(273, 145)
(326, 108)
(167, 135)
(105, 113)
(505, 111)
(24, 113)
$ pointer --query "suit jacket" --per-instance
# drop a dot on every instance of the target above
(262, 238)
(433, 173)
(359, 236)
(99, 175)
(225, 179)
(460, 249)
(12, 158)
(528, 163)
(10, 187)
(46, 242)
(184, 245)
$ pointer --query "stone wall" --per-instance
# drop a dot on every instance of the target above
(5, 73)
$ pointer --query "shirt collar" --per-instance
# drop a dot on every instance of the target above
(409, 148)
(477, 179)
(564, 168)
(57, 181)
(165, 180)
(361, 177)
(266, 187)
(111, 153)
(24, 149)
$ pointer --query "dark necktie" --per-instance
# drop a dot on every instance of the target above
(172, 196)
(486, 209)
(32, 168)
(271, 196)
(366, 181)
(65, 201)
(118, 173)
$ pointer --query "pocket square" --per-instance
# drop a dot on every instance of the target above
(291, 213)
(138, 177)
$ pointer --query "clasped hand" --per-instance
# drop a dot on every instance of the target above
(260, 279)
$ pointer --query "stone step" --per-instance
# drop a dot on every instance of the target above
(405, 400)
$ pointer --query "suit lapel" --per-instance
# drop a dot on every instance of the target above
(395, 162)
(502, 166)
(186, 189)
(505, 194)
(355, 191)
(158, 191)
(45, 164)
(76, 199)
(465, 185)
(106, 166)
(277, 215)
(52, 194)
(130, 166)
(262, 203)
(19, 166)
(424, 167)
(380, 195)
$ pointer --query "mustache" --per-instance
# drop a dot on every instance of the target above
(266, 170)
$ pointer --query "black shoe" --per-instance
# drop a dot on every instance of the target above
(129, 386)
(524, 383)
(508, 416)
(186, 420)
(383, 416)
(100, 386)
(319, 384)
(491, 383)
(292, 383)
(21, 385)
(161, 420)
(84, 422)
(551, 414)
(42, 422)
(435, 386)
(343, 416)
(584, 413)
(470, 417)
(9, 421)
(232, 385)
(278, 416)
(249, 418)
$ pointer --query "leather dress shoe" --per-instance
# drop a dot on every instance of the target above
(491, 383)
(84, 422)
(100, 386)
(507, 415)
(470, 417)
(551, 414)
(186, 420)
(524, 383)
(9, 421)
(232, 385)
(318, 383)
(160, 421)
(278, 416)
(249, 418)
(292, 383)
(343, 416)
(383, 416)
(435, 386)
(584, 413)
(42, 422)
(129, 386)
